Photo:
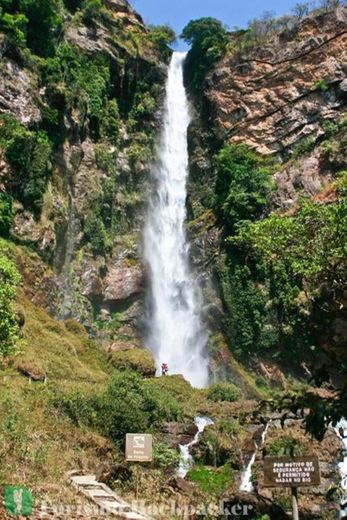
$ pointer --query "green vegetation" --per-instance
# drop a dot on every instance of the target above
(305, 145)
(29, 154)
(284, 446)
(321, 85)
(95, 234)
(211, 481)
(162, 36)
(6, 214)
(163, 456)
(310, 245)
(243, 185)
(224, 392)
(35, 23)
(9, 280)
(138, 359)
(208, 39)
(128, 405)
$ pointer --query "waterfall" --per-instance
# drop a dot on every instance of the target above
(246, 481)
(186, 458)
(176, 335)
(341, 431)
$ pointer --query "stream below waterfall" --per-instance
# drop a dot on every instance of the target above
(246, 478)
(187, 460)
(176, 335)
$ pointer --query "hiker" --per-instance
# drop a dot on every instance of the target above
(164, 369)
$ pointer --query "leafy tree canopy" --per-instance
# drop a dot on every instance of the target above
(208, 39)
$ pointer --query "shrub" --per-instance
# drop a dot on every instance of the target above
(321, 85)
(14, 25)
(111, 120)
(72, 5)
(305, 145)
(91, 10)
(128, 405)
(95, 234)
(38, 171)
(284, 446)
(34, 22)
(29, 154)
(44, 23)
(9, 280)
(6, 214)
(224, 392)
(162, 36)
(163, 456)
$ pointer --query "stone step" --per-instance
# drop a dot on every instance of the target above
(105, 498)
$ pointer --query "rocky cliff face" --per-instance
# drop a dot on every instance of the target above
(284, 98)
(281, 92)
(90, 172)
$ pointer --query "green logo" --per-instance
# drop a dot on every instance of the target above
(18, 501)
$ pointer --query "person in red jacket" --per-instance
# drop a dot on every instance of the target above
(164, 369)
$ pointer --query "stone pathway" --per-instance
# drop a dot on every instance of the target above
(105, 498)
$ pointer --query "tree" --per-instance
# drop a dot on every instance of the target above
(208, 39)
(329, 5)
(301, 9)
(44, 21)
(162, 36)
(243, 184)
(9, 280)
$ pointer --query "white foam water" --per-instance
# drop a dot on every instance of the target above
(246, 482)
(186, 460)
(341, 431)
(176, 335)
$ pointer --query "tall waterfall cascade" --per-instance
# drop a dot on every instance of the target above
(176, 334)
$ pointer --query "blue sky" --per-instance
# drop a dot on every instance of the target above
(178, 13)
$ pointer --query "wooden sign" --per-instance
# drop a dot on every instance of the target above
(139, 447)
(291, 471)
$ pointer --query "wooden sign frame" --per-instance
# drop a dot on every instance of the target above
(291, 471)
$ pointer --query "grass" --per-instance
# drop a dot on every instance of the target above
(138, 359)
(210, 480)
(37, 444)
(56, 351)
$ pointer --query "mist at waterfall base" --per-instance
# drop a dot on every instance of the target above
(176, 334)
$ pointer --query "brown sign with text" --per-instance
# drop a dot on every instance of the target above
(138, 447)
(291, 471)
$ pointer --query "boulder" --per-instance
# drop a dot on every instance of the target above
(123, 281)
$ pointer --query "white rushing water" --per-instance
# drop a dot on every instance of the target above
(186, 460)
(246, 482)
(176, 335)
(341, 431)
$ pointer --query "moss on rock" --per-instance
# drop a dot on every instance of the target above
(138, 359)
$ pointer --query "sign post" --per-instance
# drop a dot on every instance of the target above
(138, 448)
(291, 472)
(295, 506)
